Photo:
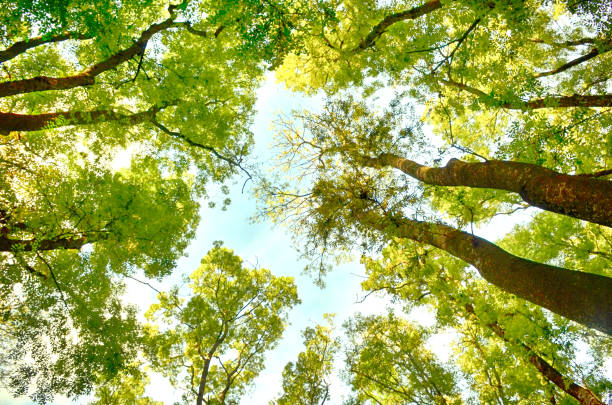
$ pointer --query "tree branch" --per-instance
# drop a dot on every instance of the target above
(593, 53)
(391, 19)
(22, 46)
(88, 76)
(26, 123)
(231, 161)
(576, 100)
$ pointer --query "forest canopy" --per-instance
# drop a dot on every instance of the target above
(119, 119)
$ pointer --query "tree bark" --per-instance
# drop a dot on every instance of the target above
(20, 47)
(582, 197)
(88, 76)
(35, 122)
(567, 385)
(582, 297)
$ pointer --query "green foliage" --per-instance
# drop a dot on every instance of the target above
(75, 215)
(124, 389)
(213, 343)
(387, 363)
(497, 369)
(306, 380)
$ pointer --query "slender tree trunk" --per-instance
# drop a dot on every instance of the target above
(20, 47)
(35, 122)
(577, 196)
(567, 385)
(582, 297)
(87, 77)
(206, 366)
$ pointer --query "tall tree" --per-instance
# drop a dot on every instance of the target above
(307, 380)
(506, 348)
(347, 198)
(215, 341)
(387, 362)
(84, 90)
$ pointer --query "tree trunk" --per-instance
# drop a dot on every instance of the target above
(206, 365)
(577, 196)
(582, 297)
(567, 385)
(35, 122)
(87, 77)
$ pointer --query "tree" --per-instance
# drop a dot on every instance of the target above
(348, 201)
(387, 363)
(169, 85)
(307, 380)
(63, 331)
(505, 347)
(124, 389)
(214, 343)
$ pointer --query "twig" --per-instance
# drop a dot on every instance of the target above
(143, 282)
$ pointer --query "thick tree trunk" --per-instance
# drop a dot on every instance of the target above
(20, 47)
(25, 123)
(577, 196)
(87, 77)
(582, 297)
(567, 385)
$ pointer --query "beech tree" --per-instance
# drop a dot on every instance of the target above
(213, 345)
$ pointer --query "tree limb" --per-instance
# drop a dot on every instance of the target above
(22, 46)
(88, 76)
(592, 54)
(391, 19)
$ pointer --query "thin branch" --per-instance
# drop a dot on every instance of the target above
(592, 54)
(459, 41)
(578, 42)
(54, 278)
(142, 282)
(231, 161)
